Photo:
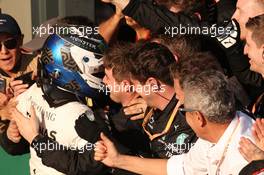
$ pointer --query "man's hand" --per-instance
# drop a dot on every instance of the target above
(94, 122)
(18, 87)
(28, 127)
(258, 133)
(106, 152)
(13, 132)
(136, 107)
(5, 112)
(249, 150)
(3, 100)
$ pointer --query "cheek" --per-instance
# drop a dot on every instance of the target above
(14, 54)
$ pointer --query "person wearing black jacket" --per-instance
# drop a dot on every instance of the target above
(154, 17)
(147, 63)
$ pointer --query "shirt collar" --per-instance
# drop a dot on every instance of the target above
(216, 149)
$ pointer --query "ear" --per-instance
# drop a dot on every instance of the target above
(200, 119)
(152, 82)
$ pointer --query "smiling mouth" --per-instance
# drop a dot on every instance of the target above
(6, 59)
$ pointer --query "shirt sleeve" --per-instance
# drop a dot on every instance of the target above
(154, 17)
(193, 162)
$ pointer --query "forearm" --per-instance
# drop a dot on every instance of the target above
(142, 165)
(108, 28)
(77, 160)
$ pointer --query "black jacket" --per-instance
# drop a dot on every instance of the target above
(178, 140)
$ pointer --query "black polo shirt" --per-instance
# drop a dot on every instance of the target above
(177, 140)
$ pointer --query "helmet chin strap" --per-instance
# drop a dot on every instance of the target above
(57, 97)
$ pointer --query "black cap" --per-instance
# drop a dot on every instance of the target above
(9, 25)
(253, 168)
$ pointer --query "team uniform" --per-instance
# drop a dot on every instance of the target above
(180, 137)
(56, 122)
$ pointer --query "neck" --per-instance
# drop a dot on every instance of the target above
(162, 99)
(127, 98)
(214, 134)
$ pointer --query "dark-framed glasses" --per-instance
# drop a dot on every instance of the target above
(9, 43)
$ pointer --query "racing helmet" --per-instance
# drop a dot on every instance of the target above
(73, 62)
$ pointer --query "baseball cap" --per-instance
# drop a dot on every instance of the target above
(39, 39)
(9, 25)
(253, 168)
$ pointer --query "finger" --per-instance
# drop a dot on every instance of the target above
(99, 144)
(242, 142)
(255, 135)
(258, 131)
(13, 101)
(105, 139)
(22, 86)
(14, 134)
(18, 116)
(20, 91)
(15, 83)
(133, 110)
(248, 144)
(260, 124)
(242, 152)
(16, 140)
(12, 124)
(137, 117)
(99, 158)
(100, 149)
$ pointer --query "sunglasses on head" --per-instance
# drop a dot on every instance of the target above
(9, 43)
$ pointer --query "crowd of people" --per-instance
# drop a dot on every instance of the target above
(185, 96)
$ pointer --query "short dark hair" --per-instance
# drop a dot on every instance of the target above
(180, 45)
(194, 64)
(256, 25)
(150, 59)
(115, 59)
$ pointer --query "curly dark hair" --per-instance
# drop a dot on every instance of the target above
(150, 59)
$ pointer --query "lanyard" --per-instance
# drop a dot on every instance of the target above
(168, 126)
(226, 147)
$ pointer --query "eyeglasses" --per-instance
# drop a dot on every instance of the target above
(9, 44)
(184, 110)
(168, 125)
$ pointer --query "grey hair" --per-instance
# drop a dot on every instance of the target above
(209, 93)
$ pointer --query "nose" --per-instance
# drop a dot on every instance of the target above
(3, 50)
(234, 15)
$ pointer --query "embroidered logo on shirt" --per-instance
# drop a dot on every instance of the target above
(181, 138)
